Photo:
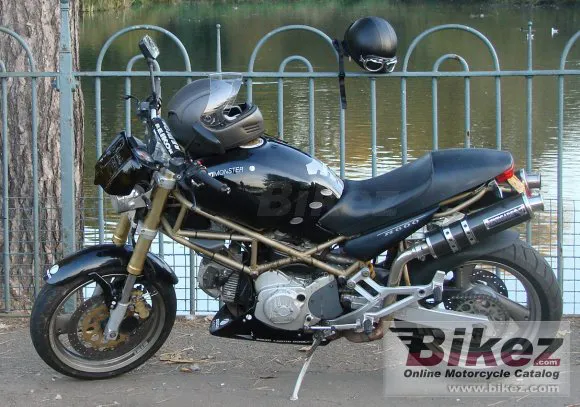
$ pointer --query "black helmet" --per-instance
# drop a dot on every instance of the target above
(206, 120)
(372, 43)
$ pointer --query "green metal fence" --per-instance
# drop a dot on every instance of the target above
(558, 247)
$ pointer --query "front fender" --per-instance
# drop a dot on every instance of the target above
(106, 255)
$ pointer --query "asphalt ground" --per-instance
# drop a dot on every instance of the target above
(226, 372)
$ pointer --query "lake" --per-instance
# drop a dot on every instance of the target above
(243, 26)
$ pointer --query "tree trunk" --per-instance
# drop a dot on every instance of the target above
(38, 22)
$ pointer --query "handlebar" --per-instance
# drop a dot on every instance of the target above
(198, 173)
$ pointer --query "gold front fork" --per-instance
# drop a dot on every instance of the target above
(165, 183)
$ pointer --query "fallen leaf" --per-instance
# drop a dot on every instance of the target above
(175, 358)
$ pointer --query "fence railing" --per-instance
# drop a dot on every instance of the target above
(191, 298)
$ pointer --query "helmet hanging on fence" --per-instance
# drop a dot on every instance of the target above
(372, 43)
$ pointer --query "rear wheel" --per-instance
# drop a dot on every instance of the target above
(514, 283)
(514, 288)
(68, 321)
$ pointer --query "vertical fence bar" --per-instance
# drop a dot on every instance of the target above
(560, 166)
(35, 200)
(5, 191)
(161, 247)
(560, 216)
(498, 112)
(99, 150)
(192, 269)
(281, 108)
(311, 140)
(373, 127)
(218, 62)
(467, 140)
(435, 113)
(342, 119)
(404, 120)
(529, 118)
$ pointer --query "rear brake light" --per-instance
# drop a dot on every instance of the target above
(504, 176)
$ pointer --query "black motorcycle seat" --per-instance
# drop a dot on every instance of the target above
(412, 189)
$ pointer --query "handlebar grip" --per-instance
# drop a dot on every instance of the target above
(201, 176)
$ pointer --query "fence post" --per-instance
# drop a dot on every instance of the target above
(66, 86)
(529, 94)
(218, 62)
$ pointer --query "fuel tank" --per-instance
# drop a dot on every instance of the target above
(274, 186)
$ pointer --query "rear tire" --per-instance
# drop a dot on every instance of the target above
(523, 258)
(51, 298)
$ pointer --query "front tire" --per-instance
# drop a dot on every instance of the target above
(46, 327)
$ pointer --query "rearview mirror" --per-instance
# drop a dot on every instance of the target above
(148, 48)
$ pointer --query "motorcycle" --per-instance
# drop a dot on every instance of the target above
(294, 253)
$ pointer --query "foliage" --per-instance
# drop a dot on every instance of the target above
(89, 6)
(100, 5)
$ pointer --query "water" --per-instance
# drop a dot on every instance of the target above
(244, 25)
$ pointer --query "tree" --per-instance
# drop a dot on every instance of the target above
(38, 22)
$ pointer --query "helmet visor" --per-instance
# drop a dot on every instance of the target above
(223, 91)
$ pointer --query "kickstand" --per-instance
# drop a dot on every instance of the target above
(309, 355)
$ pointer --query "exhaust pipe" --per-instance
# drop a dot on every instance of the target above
(482, 224)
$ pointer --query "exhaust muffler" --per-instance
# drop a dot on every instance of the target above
(482, 224)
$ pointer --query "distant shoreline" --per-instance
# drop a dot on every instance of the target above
(89, 6)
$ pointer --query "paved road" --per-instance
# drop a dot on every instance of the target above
(231, 373)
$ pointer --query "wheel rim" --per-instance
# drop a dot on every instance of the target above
(69, 356)
(515, 280)
(518, 286)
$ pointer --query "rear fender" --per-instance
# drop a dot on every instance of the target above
(95, 258)
(422, 272)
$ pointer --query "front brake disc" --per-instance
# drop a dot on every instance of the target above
(88, 323)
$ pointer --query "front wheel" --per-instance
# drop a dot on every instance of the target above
(68, 321)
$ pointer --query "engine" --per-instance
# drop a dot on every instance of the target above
(229, 286)
(284, 299)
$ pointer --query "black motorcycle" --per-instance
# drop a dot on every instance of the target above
(294, 253)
